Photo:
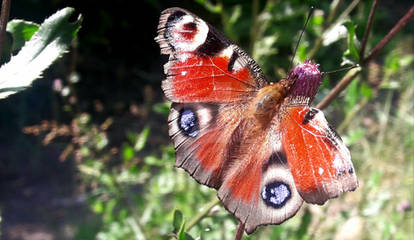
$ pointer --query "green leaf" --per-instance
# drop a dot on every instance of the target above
(21, 31)
(355, 136)
(235, 15)
(182, 235)
(304, 225)
(109, 208)
(352, 95)
(127, 153)
(153, 161)
(211, 7)
(188, 236)
(162, 108)
(142, 139)
(365, 90)
(334, 34)
(177, 220)
(49, 43)
(351, 55)
(97, 206)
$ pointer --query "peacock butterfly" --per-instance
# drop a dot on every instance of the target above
(259, 144)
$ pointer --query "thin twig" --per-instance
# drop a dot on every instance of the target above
(403, 21)
(351, 114)
(253, 30)
(239, 233)
(338, 88)
(196, 219)
(347, 11)
(319, 42)
(351, 76)
(331, 14)
(5, 11)
(368, 29)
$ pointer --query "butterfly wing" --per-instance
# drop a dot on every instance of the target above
(204, 66)
(203, 138)
(319, 161)
(258, 187)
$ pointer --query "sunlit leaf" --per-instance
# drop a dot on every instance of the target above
(334, 34)
(127, 153)
(142, 139)
(97, 206)
(154, 161)
(49, 43)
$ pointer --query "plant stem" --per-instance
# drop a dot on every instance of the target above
(5, 11)
(193, 221)
(351, 76)
(350, 116)
(368, 29)
(347, 11)
(319, 41)
(239, 233)
(253, 30)
(339, 88)
(332, 14)
(403, 21)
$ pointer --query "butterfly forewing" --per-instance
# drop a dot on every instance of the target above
(204, 66)
(320, 162)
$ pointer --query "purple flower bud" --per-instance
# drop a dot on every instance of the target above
(57, 85)
(308, 79)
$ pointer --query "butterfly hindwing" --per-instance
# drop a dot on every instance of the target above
(259, 188)
(319, 160)
(204, 66)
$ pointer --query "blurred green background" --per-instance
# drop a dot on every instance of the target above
(85, 153)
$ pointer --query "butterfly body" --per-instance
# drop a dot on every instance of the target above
(260, 145)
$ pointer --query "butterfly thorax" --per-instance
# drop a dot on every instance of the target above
(269, 99)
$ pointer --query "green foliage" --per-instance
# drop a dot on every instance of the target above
(22, 31)
(351, 55)
(40, 47)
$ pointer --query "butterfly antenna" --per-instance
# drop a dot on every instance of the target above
(341, 69)
(301, 33)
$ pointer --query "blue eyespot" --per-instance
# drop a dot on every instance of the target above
(276, 194)
(188, 123)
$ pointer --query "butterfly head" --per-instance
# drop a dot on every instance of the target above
(307, 79)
